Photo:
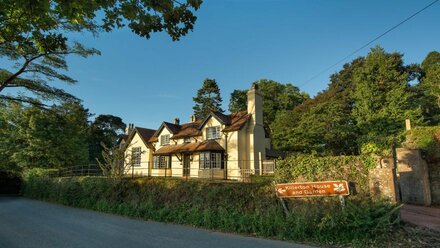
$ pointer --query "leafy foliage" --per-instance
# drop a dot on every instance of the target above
(34, 36)
(277, 98)
(34, 137)
(426, 139)
(243, 208)
(208, 99)
(364, 108)
(382, 98)
(323, 124)
(311, 167)
(431, 78)
(105, 131)
(238, 101)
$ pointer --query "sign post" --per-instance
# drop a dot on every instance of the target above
(309, 189)
(313, 189)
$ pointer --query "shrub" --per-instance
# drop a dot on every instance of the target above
(233, 207)
(425, 138)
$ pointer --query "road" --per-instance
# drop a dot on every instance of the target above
(428, 217)
(31, 223)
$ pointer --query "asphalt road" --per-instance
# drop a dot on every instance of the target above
(30, 223)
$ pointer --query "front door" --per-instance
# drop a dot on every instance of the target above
(186, 165)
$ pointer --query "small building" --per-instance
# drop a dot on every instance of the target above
(220, 146)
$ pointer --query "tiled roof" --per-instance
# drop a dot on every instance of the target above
(172, 127)
(145, 133)
(224, 119)
(189, 130)
(232, 122)
(237, 121)
(208, 145)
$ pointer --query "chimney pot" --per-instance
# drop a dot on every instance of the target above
(129, 128)
(192, 118)
(176, 121)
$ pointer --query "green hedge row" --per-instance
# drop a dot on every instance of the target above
(233, 207)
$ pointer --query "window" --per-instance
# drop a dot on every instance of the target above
(187, 140)
(213, 133)
(136, 153)
(164, 140)
(161, 162)
(211, 160)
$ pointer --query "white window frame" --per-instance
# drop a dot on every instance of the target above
(213, 133)
(161, 162)
(165, 140)
(211, 160)
(187, 140)
(136, 156)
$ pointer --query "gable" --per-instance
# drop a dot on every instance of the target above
(141, 134)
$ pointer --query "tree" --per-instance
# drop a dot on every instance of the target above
(51, 138)
(104, 132)
(430, 81)
(208, 99)
(323, 124)
(33, 35)
(238, 101)
(382, 99)
(277, 97)
(114, 162)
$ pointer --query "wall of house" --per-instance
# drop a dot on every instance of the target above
(146, 156)
(235, 161)
(164, 131)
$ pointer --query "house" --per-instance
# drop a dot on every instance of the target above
(220, 146)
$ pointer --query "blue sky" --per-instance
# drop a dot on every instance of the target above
(237, 42)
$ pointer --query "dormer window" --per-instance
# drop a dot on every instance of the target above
(213, 133)
(165, 140)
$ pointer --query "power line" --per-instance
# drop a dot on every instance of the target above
(369, 43)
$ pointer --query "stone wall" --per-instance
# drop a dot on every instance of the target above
(413, 177)
(383, 180)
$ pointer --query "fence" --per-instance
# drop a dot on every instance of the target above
(80, 170)
(238, 170)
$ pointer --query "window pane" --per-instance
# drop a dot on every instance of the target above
(136, 156)
(165, 139)
(213, 132)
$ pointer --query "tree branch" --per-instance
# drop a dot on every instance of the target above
(35, 103)
(19, 72)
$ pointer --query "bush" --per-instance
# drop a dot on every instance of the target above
(426, 139)
(233, 207)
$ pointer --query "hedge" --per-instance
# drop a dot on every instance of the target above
(232, 207)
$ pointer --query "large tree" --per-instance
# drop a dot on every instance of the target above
(208, 99)
(51, 138)
(34, 36)
(382, 99)
(277, 97)
(104, 132)
(430, 80)
(323, 124)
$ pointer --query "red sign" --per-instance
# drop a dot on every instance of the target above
(328, 188)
